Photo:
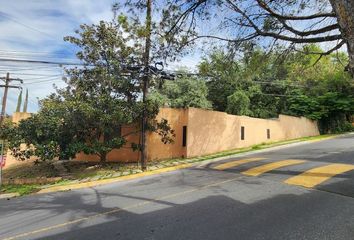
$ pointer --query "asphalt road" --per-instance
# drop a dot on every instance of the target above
(258, 196)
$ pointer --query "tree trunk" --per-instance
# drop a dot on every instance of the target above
(146, 60)
(344, 10)
(103, 156)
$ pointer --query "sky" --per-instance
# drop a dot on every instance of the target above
(35, 30)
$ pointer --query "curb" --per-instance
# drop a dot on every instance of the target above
(9, 195)
(74, 186)
(69, 187)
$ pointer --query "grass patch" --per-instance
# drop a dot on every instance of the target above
(69, 169)
(21, 189)
(31, 170)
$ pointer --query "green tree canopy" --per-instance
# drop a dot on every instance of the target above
(101, 96)
(238, 103)
(183, 92)
(299, 84)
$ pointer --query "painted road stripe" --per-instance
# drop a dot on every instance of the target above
(271, 166)
(318, 175)
(236, 163)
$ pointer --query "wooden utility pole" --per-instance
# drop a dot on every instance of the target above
(146, 78)
(6, 87)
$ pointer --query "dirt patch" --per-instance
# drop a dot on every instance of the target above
(63, 169)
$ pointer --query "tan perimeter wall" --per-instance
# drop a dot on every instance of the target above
(211, 131)
(155, 148)
(207, 132)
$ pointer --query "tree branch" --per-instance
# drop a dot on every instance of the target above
(184, 15)
(282, 20)
(263, 5)
(247, 38)
(338, 46)
(311, 32)
(280, 36)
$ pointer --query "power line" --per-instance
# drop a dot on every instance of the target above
(43, 81)
(41, 61)
(36, 74)
(36, 57)
(59, 77)
(30, 52)
(25, 25)
(18, 68)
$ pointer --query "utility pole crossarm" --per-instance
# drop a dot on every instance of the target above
(6, 87)
(9, 86)
(12, 79)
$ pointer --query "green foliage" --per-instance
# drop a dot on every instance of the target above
(23, 189)
(298, 83)
(332, 110)
(238, 103)
(327, 92)
(99, 99)
(6, 129)
(183, 93)
(257, 74)
(225, 78)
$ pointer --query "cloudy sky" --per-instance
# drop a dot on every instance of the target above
(34, 30)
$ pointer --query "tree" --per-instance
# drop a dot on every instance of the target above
(101, 96)
(183, 92)
(238, 103)
(274, 84)
(48, 134)
(225, 77)
(260, 75)
(333, 110)
(327, 21)
(158, 45)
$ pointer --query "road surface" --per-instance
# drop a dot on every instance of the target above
(299, 192)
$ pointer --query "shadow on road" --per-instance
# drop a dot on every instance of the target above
(220, 217)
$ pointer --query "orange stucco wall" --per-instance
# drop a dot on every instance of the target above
(156, 149)
(207, 132)
(124, 154)
(211, 131)
(18, 116)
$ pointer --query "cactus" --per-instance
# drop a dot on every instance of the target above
(26, 102)
(19, 102)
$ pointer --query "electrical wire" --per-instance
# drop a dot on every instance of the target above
(43, 81)
(42, 62)
(11, 18)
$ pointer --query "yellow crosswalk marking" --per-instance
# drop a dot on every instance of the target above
(318, 175)
(271, 166)
(236, 163)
